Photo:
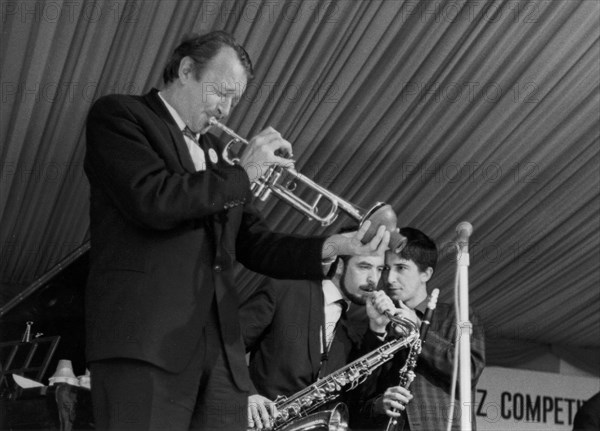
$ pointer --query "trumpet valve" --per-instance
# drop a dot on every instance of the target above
(265, 193)
(274, 175)
(258, 186)
(268, 180)
(255, 187)
(259, 189)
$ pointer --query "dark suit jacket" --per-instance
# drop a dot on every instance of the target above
(165, 237)
(281, 326)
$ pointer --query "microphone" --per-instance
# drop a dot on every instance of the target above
(391, 313)
(400, 324)
(463, 232)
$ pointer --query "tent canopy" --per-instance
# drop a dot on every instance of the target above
(480, 111)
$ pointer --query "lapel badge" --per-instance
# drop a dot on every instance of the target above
(212, 154)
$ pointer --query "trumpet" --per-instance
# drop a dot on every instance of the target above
(324, 206)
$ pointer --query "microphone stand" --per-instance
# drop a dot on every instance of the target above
(463, 231)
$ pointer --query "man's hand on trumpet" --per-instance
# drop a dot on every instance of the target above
(263, 151)
(261, 412)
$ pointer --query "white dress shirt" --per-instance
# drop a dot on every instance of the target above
(198, 156)
(333, 310)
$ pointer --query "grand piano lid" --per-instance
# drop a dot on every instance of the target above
(54, 303)
(44, 279)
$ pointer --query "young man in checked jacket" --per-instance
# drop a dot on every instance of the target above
(425, 406)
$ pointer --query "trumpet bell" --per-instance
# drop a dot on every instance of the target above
(383, 214)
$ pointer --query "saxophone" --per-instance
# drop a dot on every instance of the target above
(295, 413)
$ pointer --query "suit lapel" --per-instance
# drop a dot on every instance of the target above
(157, 105)
(215, 224)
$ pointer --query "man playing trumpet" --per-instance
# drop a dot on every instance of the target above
(168, 220)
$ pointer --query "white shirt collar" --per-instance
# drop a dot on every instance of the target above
(332, 293)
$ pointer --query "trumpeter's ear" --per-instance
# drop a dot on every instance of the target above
(186, 69)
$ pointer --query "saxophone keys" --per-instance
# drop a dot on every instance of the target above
(353, 375)
(342, 381)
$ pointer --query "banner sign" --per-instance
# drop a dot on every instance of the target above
(511, 399)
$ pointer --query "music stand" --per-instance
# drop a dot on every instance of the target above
(29, 359)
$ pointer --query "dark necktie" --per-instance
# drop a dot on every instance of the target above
(188, 132)
(326, 346)
(344, 306)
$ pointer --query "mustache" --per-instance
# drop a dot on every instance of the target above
(369, 287)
